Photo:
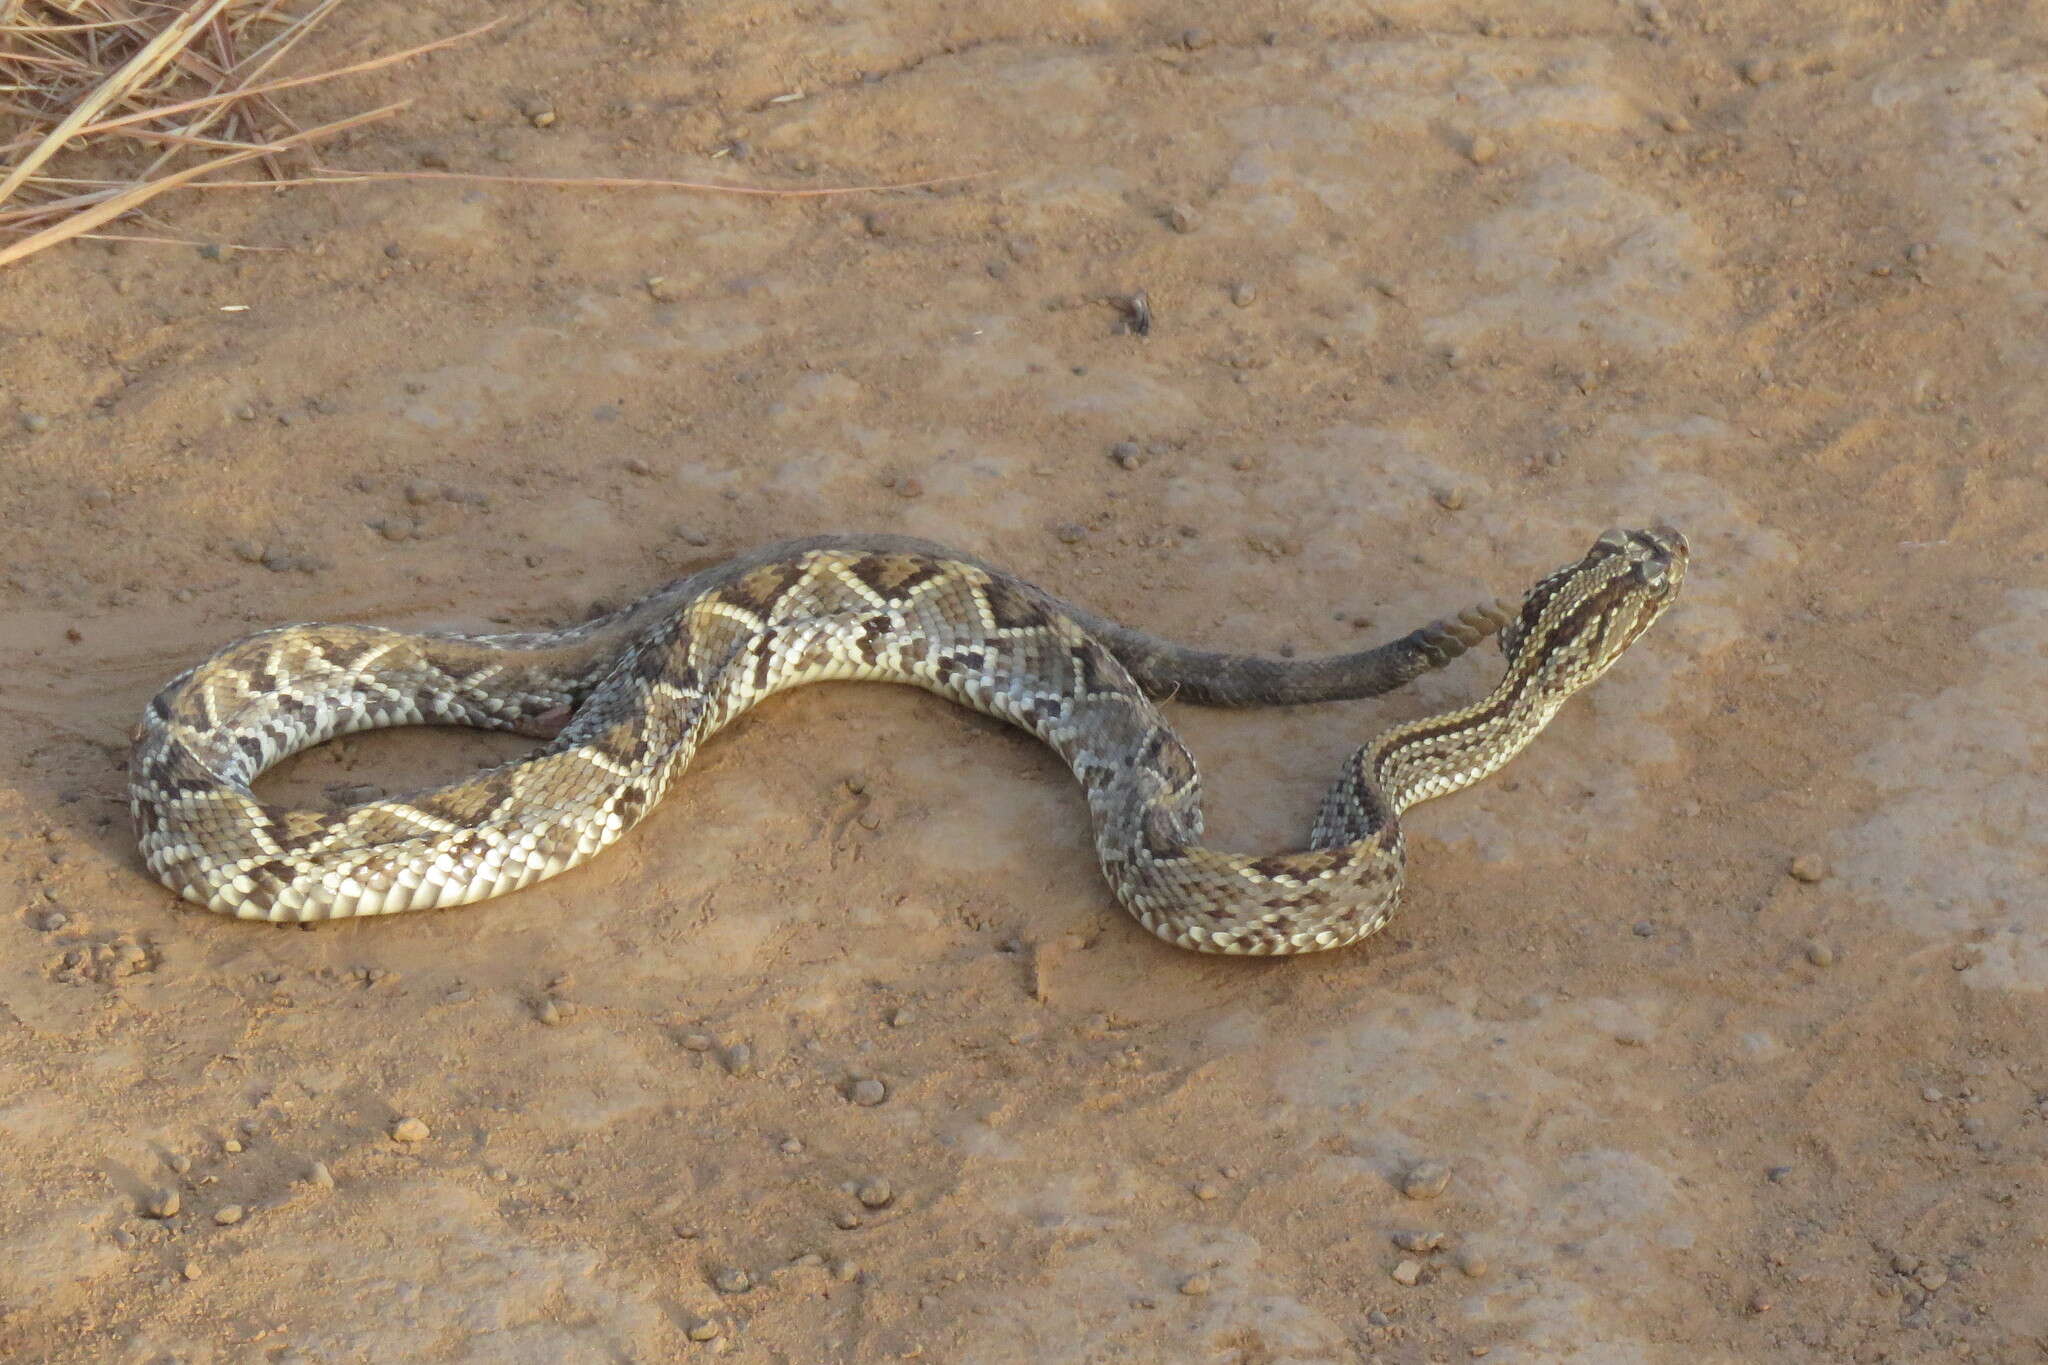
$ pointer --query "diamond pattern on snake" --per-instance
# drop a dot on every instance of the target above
(624, 701)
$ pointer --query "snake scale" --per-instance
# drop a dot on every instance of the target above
(624, 701)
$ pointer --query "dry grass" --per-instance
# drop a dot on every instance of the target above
(166, 92)
(169, 91)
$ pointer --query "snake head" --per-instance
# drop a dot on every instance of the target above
(1576, 622)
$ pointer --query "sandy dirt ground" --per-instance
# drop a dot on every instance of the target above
(1439, 292)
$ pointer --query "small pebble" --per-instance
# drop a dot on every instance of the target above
(697, 1042)
(1128, 454)
(1195, 39)
(1472, 1265)
(227, 1215)
(1070, 533)
(1759, 1302)
(1418, 1241)
(548, 1012)
(902, 1018)
(1820, 955)
(163, 1204)
(191, 1270)
(1931, 1095)
(846, 1220)
(1778, 1175)
(321, 1176)
(1677, 123)
(738, 1059)
(733, 1281)
(792, 1147)
(1808, 867)
(409, 1130)
(703, 1329)
(1757, 70)
(1427, 1180)
(1408, 1272)
(1207, 1191)
(1451, 499)
(1181, 218)
(34, 422)
(54, 921)
(1645, 929)
(232, 1146)
(876, 1194)
(1483, 150)
(1243, 295)
(867, 1092)
(1930, 1277)
(1194, 1286)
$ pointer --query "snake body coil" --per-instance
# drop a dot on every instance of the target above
(625, 701)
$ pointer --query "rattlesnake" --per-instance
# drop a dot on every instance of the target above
(624, 701)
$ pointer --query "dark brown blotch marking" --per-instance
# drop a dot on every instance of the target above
(894, 576)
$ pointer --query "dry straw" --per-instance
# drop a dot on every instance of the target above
(172, 92)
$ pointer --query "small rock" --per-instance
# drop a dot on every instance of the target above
(1808, 867)
(232, 1146)
(1483, 150)
(1820, 955)
(1127, 454)
(1207, 1191)
(1677, 123)
(1194, 1286)
(867, 1092)
(876, 1194)
(1408, 1272)
(1759, 1302)
(1778, 1175)
(191, 1270)
(1931, 1095)
(792, 1147)
(733, 1280)
(697, 1042)
(846, 1220)
(1243, 295)
(1195, 39)
(320, 1176)
(902, 1018)
(548, 1012)
(54, 921)
(1070, 533)
(1645, 929)
(410, 1130)
(1472, 1265)
(1930, 1277)
(738, 1059)
(227, 1215)
(1453, 498)
(34, 423)
(1757, 70)
(163, 1204)
(1182, 219)
(704, 1329)
(1427, 1180)
(1418, 1241)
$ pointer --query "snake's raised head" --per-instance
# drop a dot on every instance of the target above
(1575, 623)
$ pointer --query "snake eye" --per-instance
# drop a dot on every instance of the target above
(1651, 573)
